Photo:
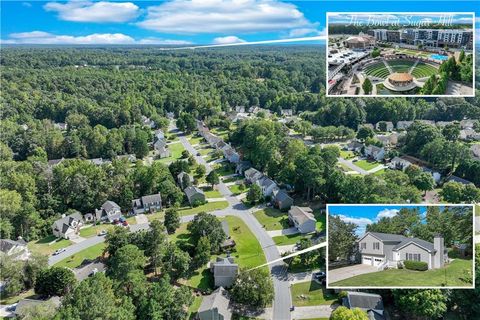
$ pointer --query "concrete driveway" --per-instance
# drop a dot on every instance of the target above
(348, 272)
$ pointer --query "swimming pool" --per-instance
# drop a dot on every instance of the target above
(438, 57)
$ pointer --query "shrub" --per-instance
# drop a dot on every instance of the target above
(416, 265)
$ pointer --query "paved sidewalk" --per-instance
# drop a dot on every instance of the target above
(215, 199)
(77, 239)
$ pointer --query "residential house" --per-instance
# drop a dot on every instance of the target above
(181, 180)
(159, 135)
(475, 149)
(459, 180)
(159, 144)
(469, 135)
(211, 138)
(388, 126)
(229, 242)
(55, 162)
(194, 195)
(429, 122)
(399, 163)
(68, 227)
(467, 124)
(287, 112)
(98, 161)
(442, 124)
(147, 204)
(253, 109)
(215, 306)
(242, 166)
(109, 211)
(375, 152)
(252, 175)
(17, 250)
(231, 155)
(267, 185)
(129, 157)
(404, 125)
(24, 305)
(221, 145)
(163, 152)
(354, 146)
(302, 218)
(240, 109)
(224, 270)
(146, 121)
(170, 115)
(281, 199)
(384, 249)
(60, 126)
(371, 303)
(437, 176)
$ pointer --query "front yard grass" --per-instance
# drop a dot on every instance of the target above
(176, 152)
(211, 193)
(347, 154)
(451, 275)
(235, 189)
(288, 239)
(272, 219)
(208, 207)
(92, 230)
(224, 169)
(366, 165)
(195, 140)
(321, 220)
(77, 259)
(311, 293)
(42, 246)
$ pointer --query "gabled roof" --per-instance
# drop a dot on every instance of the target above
(388, 237)
(217, 300)
(301, 214)
(365, 301)
(151, 198)
(225, 267)
(7, 244)
(160, 143)
(109, 206)
(192, 190)
(419, 242)
(63, 224)
(281, 195)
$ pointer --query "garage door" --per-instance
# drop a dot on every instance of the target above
(367, 260)
(377, 262)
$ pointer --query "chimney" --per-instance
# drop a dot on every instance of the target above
(438, 245)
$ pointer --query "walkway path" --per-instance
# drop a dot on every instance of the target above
(387, 66)
(352, 166)
(413, 66)
(322, 311)
(283, 232)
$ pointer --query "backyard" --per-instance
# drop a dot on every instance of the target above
(311, 293)
(451, 275)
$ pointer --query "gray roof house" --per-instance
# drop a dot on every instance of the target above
(17, 250)
(159, 144)
(194, 195)
(180, 178)
(385, 249)
(159, 134)
(108, 211)
(459, 180)
(388, 125)
(403, 125)
(224, 270)
(147, 204)
(242, 166)
(129, 157)
(24, 304)
(281, 199)
(302, 218)
(67, 227)
(252, 175)
(267, 185)
(371, 303)
(399, 163)
(231, 155)
(215, 306)
(354, 146)
(375, 152)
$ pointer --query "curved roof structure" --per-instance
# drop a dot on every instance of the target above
(400, 77)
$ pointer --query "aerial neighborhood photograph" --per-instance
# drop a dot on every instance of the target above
(416, 54)
(194, 160)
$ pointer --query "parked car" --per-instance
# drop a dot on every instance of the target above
(319, 275)
(93, 272)
(102, 233)
(11, 307)
(58, 251)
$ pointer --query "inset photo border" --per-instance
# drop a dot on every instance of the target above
(400, 54)
(390, 246)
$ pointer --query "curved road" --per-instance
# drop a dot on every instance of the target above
(282, 300)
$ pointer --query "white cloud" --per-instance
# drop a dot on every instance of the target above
(361, 222)
(87, 11)
(301, 32)
(217, 16)
(387, 213)
(227, 40)
(27, 4)
(41, 37)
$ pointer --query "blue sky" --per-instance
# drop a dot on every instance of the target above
(363, 215)
(180, 22)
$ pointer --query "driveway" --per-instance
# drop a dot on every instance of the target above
(283, 232)
(348, 272)
(322, 311)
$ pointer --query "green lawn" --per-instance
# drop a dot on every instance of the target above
(209, 193)
(272, 219)
(156, 215)
(205, 151)
(208, 207)
(451, 275)
(290, 239)
(347, 154)
(42, 246)
(232, 179)
(77, 259)
(195, 140)
(379, 172)
(311, 293)
(176, 152)
(192, 310)
(221, 133)
(93, 230)
(224, 169)
(366, 165)
(235, 189)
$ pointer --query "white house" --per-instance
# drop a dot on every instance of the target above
(267, 185)
(68, 227)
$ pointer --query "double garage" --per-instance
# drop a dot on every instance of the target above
(372, 260)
